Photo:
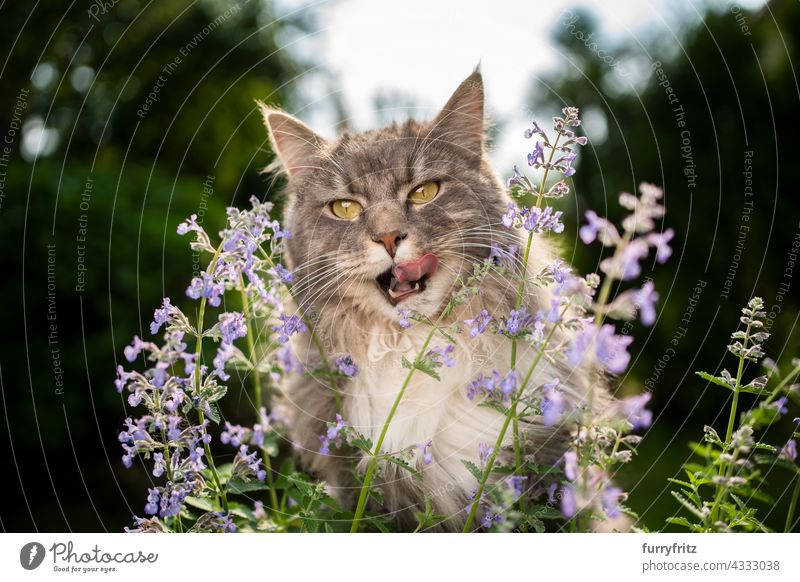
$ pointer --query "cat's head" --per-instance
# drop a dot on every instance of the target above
(385, 220)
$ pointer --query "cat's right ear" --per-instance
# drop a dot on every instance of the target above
(297, 146)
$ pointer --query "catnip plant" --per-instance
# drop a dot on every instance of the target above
(246, 316)
(720, 488)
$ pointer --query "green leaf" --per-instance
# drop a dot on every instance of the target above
(213, 413)
(202, 503)
(473, 469)
(687, 504)
(719, 381)
(402, 463)
(494, 405)
(238, 486)
(406, 363)
(682, 521)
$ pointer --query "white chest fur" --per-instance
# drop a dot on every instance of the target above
(434, 410)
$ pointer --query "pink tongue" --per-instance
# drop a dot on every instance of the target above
(415, 270)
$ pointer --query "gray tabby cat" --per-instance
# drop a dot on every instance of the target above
(384, 220)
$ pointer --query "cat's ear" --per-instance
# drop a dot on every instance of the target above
(461, 121)
(298, 147)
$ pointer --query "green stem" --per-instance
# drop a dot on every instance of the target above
(367, 483)
(315, 340)
(518, 304)
(197, 379)
(503, 429)
(793, 504)
(251, 347)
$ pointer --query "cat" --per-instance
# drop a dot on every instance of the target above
(386, 220)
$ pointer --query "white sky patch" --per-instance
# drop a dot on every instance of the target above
(421, 50)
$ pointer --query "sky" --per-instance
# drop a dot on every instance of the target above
(420, 50)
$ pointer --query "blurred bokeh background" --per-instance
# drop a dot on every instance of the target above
(120, 118)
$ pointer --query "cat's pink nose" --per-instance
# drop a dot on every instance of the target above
(390, 240)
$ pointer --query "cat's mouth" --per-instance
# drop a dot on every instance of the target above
(407, 279)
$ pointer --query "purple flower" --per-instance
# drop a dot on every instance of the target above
(508, 384)
(518, 180)
(494, 384)
(484, 451)
(646, 299)
(152, 501)
(332, 434)
(427, 455)
(347, 366)
(162, 315)
(441, 356)
(289, 325)
(404, 318)
(610, 500)
(569, 504)
(281, 273)
(597, 227)
(660, 242)
(518, 321)
(224, 353)
(533, 130)
(541, 221)
(188, 225)
(517, 484)
(510, 216)
(780, 405)
(207, 288)
(571, 465)
(537, 155)
(559, 271)
(627, 267)
(554, 403)
(232, 326)
(607, 348)
(633, 410)
(479, 324)
(506, 258)
(565, 164)
(132, 351)
(789, 451)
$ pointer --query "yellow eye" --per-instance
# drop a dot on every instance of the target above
(346, 209)
(425, 193)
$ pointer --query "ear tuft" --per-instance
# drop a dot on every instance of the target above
(461, 121)
(297, 146)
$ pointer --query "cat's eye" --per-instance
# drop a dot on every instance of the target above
(424, 193)
(346, 209)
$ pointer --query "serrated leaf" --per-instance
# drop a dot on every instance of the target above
(402, 463)
(687, 504)
(685, 523)
(202, 503)
(718, 380)
(238, 486)
(473, 469)
(406, 363)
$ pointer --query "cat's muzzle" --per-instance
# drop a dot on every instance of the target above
(408, 278)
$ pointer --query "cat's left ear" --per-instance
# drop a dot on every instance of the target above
(297, 146)
(461, 121)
